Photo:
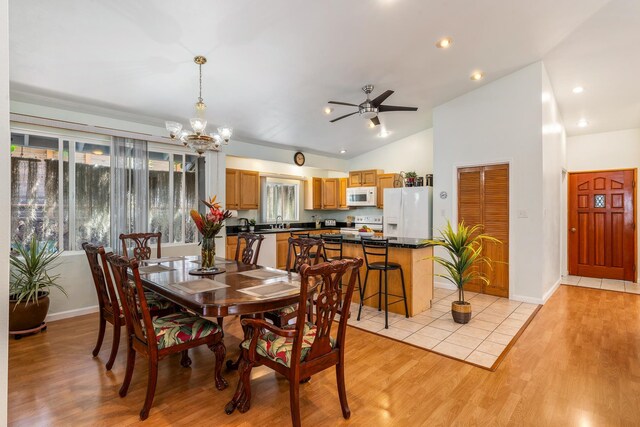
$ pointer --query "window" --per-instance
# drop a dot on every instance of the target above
(35, 174)
(172, 194)
(77, 208)
(281, 200)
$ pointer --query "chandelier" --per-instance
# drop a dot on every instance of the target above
(198, 139)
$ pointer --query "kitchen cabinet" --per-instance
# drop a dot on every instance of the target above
(330, 193)
(313, 194)
(242, 189)
(343, 184)
(282, 247)
(387, 180)
(232, 244)
(364, 178)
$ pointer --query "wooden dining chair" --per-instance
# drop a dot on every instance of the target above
(249, 254)
(301, 251)
(108, 305)
(141, 247)
(306, 348)
(162, 336)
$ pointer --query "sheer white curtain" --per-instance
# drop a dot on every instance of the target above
(129, 185)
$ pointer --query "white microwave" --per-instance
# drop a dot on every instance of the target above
(362, 196)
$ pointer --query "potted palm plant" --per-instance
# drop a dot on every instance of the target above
(30, 284)
(464, 250)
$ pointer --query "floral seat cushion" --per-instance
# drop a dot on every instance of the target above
(178, 328)
(286, 310)
(156, 302)
(279, 348)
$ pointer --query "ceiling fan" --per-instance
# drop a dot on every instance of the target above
(370, 108)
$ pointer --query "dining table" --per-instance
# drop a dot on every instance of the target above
(240, 289)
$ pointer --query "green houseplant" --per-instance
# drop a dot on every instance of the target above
(464, 250)
(410, 178)
(30, 284)
(252, 224)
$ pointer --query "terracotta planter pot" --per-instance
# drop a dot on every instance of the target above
(461, 311)
(23, 316)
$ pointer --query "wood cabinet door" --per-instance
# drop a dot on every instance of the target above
(355, 179)
(249, 190)
(483, 198)
(602, 224)
(231, 191)
(317, 193)
(330, 193)
(369, 178)
(282, 247)
(385, 180)
(342, 202)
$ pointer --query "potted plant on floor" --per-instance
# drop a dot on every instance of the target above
(30, 284)
(464, 248)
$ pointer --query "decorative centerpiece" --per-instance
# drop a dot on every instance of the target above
(209, 225)
(464, 247)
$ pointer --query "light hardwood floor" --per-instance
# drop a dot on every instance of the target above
(578, 363)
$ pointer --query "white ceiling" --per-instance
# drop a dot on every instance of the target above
(274, 64)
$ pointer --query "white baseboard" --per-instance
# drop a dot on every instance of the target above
(541, 301)
(71, 313)
(551, 291)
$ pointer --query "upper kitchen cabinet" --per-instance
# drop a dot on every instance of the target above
(365, 178)
(242, 189)
(325, 193)
(343, 183)
(387, 180)
(330, 193)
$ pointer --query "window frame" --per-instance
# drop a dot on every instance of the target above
(279, 182)
(72, 138)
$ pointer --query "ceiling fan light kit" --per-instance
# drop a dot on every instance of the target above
(198, 140)
(370, 108)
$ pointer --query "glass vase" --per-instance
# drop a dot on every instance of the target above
(208, 252)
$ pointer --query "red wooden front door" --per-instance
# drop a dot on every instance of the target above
(602, 224)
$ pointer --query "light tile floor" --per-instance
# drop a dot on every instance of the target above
(606, 284)
(494, 323)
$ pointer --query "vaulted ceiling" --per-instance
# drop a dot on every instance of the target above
(273, 65)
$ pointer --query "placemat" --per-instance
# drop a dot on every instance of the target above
(200, 285)
(270, 290)
(218, 261)
(157, 268)
(264, 274)
(163, 259)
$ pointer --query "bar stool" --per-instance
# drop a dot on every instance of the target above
(379, 248)
(333, 244)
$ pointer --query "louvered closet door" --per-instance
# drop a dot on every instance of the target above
(483, 198)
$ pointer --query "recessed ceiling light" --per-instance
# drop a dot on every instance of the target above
(328, 110)
(444, 43)
(583, 123)
(477, 75)
(343, 151)
(578, 89)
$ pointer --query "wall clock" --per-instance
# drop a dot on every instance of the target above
(298, 158)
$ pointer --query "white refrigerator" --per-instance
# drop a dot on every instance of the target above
(408, 212)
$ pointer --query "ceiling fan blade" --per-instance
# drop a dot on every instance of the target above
(375, 121)
(342, 117)
(342, 103)
(386, 108)
(380, 98)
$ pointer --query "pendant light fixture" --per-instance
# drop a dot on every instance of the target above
(198, 139)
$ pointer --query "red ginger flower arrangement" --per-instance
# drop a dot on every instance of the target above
(210, 223)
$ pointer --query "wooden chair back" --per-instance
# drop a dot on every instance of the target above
(134, 303)
(328, 302)
(375, 248)
(332, 246)
(300, 234)
(107, 296)
(141, 247)
(249, 254)
(301, 250)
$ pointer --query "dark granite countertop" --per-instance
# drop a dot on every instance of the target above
(394, 242)
(235, 230)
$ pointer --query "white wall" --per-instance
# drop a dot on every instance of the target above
(500, 122)
(413, 153)
(5, 209)
(553, 163)
(603, 151)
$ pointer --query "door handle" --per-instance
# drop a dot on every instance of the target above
(573, 229)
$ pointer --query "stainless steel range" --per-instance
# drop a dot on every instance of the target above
(374, 222)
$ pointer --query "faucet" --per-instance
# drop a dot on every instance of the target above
(245, 226)
(278, 226)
